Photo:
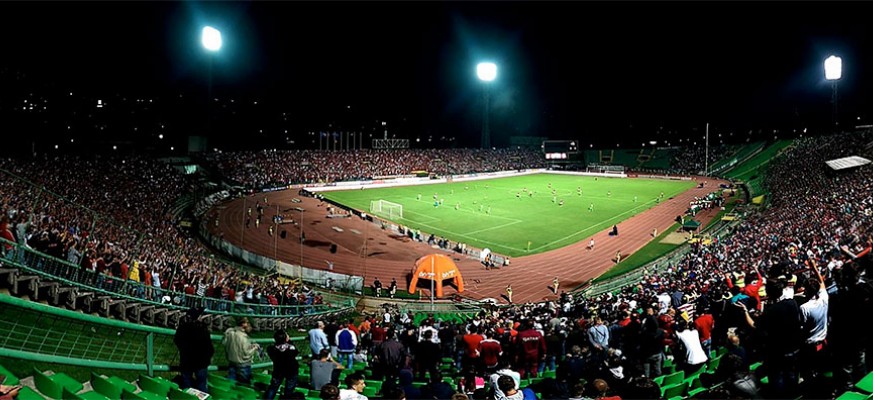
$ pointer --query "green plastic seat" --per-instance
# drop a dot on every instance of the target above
(178, 394)
(693, 382)
(219, 393)
(261, 378)
(243, 392)
(849, 395)
(222, 381)
(142, 395)
(53, 386)
(712, 365)
(865, 384)
(152, 385)
(301, 390)
(668, 362)
(673, 391)
(374, 384)
(92, 395)
(11, 380)
(107, 388)
(673, 379)
(27, 393)
(120, 382)
(369, 391)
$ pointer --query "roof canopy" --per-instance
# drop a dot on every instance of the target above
(847, 162)
(690, 225)
(440, 266)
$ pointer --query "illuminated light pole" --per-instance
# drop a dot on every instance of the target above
(833, 66)
(487, 72)
(211, 40)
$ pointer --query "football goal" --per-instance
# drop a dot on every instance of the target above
(386, 208)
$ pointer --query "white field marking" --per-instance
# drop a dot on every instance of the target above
(494, 227)
(513, 221)
(503, 245)
(493, 244)
(590, 228)
(430, 218)
(435, 219)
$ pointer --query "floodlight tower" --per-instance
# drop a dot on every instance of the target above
(487, 72)
(833, 72)
(211, 40)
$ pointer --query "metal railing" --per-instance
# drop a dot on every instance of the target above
(61, 271)
(40, 333)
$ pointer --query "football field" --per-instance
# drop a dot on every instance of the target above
(519, 215)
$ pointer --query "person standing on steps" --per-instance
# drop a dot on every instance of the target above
(195, 349)
(285, 366)
(240, 352)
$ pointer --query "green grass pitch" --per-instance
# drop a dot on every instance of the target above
(499, 214)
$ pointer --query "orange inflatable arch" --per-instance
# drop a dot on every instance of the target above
(440, 265)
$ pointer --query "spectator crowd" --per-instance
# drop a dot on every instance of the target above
(777, 300)
(276, 168)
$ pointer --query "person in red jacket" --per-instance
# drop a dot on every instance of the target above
(531, 349)
(753, 288)
(471, 344)
(704, 324)
(5, 233)
(490, 352)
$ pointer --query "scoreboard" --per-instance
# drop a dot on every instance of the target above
(559, 149)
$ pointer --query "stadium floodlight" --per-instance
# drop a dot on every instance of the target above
(833, 68)
(833, 72)
(211, 38)
(487, 72)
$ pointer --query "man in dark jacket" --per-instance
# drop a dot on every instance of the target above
(285, 366)
(781, 327)
(391, 356)
(427, 354)
(195, 349)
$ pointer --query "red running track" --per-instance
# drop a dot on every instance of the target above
(366, 250)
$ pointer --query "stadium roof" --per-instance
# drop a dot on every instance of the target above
(847, 162)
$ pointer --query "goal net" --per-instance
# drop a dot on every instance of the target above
(386, 209)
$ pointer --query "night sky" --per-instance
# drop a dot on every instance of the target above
(581, 70)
